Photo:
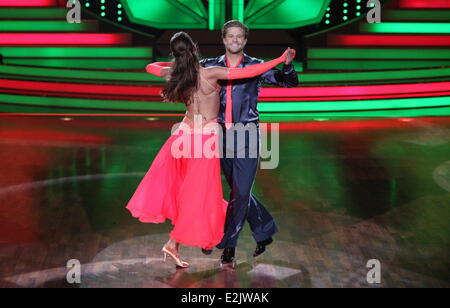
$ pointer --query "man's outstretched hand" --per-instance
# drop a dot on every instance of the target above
(290, 56)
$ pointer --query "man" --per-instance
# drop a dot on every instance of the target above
(238, 104)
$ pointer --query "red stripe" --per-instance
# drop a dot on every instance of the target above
(266, 93)
(271, 99)
(96, 114)
(355, 97)
(355, 90)
(28, 3)
(80, 88)
(388, 40)
(424, 4)
(83, 95)
(63, 39)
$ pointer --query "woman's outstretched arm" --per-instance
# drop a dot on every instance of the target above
(159, 69)
(224, 73)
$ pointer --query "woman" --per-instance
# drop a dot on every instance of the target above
(188, 190)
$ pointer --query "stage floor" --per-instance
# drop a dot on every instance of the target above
(345, 191)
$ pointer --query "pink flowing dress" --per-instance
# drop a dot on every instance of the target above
(183, 184)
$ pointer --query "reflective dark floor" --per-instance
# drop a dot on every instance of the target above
(345, 191)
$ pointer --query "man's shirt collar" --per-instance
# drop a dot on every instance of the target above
(223, 60)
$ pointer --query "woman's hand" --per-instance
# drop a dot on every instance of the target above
(290, 55)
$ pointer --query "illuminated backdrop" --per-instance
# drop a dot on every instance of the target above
(201, 14)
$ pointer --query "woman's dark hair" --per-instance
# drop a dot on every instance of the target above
(183, 77)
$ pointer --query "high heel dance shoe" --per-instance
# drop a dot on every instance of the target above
(178, 262)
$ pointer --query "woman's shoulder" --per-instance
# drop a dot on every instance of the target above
(204, 74)
(209, 71)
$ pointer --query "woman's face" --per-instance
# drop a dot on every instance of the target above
(234, 40)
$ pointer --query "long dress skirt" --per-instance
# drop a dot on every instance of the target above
(183, 184)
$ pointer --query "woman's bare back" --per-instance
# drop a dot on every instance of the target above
(205, 100)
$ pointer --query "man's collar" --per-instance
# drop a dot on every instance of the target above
(246, 58)
(223, 59)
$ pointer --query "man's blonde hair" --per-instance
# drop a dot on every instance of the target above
(235, 23)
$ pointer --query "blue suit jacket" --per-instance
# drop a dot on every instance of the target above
(245, 91)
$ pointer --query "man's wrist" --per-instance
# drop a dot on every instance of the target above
(288, 68)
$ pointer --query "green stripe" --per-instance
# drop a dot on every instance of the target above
(377, 53)
(32, 13)
(371, 82)
(262, 106)
(131, 64)
(354, 104)
(304, 80)
(76, 52)
(14, 108)
(91, 76)
(264, 117)
(417, 15)
(383, 75)
(47, 26)
(371, 65)
(405, 27)
(297, 116)
(84, 81)
(90, 103)
(80, 74)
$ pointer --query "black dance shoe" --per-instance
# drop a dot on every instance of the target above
(207, 251)
(227, 256)
(261, 246)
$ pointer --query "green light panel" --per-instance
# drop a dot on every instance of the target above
(269, 107)
(406, 27)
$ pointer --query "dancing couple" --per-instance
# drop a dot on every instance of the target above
(187, 189)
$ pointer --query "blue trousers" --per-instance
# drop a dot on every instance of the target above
(243, 205)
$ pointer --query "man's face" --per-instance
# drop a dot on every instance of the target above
(234, 40)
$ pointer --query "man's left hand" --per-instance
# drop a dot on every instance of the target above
(290, 56)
